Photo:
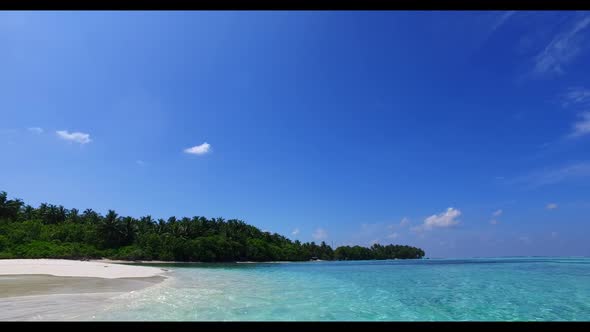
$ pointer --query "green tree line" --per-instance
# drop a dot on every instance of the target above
(51, 231)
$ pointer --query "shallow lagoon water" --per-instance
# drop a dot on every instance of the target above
(486, 289)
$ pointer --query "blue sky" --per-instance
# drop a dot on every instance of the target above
(463, 133)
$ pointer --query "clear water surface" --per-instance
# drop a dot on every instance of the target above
(486, 289)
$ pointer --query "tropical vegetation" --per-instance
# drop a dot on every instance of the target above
(51, 231)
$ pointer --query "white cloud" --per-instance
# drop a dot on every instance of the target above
(199, 149)
(551, 206)
(493, 222)
(77, 137)
(442, 220)
(576, 96)
(35, 130)
(502, 19)
(393, 236)
(319, 234)
(295, 231)
(140, 162)
(554, 234)
(525, 239)
(404, 222)
(497, 213)
(552, 176)
(561, 50)
(582, 127)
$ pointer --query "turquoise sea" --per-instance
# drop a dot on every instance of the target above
(486, 289)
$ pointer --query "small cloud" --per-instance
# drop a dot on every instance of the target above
(393, 236)
(493, 222)
(404, 222)
(581, 127)
(442, 220)
(295, 231)
(569, 172)
(140, 162)
(576, 96)
(502, 19)
(319, 234)
(525, 239)
(35, 130)
(561, 50)
(199, 149)
(497, 213)
(551, 206)
(499, 178)
(554, 234)
(77, 137)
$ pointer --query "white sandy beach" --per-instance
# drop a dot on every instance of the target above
(56, 289)
(72, 268)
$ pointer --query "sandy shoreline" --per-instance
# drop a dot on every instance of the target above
(55, 289)
(50, 298)
(72, 268)
(104, 260)
(32, 285)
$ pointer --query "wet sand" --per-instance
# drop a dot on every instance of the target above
(51, 298)
(42, 289)
(27, 285)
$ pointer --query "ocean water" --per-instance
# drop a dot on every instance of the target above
(490, 289)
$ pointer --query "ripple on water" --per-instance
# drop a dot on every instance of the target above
(419, 290)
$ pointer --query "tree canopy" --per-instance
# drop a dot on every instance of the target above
(51, 231)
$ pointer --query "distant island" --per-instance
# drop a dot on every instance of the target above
(51, 231)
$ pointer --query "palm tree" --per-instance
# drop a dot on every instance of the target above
(129, 229)
(110, 231)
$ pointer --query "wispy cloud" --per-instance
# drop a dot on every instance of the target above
(502, 19)
(576, 96)
(140, 162)
(35, 130)
(525, 239)
(442, 220)
(551, 206)
(393, 236)
(77, 137)
(562, 49)
(404, 222)
(565, 173)
(319, 234)
(496, 213)
(295, 231)
(581, 127)
(199, 149)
